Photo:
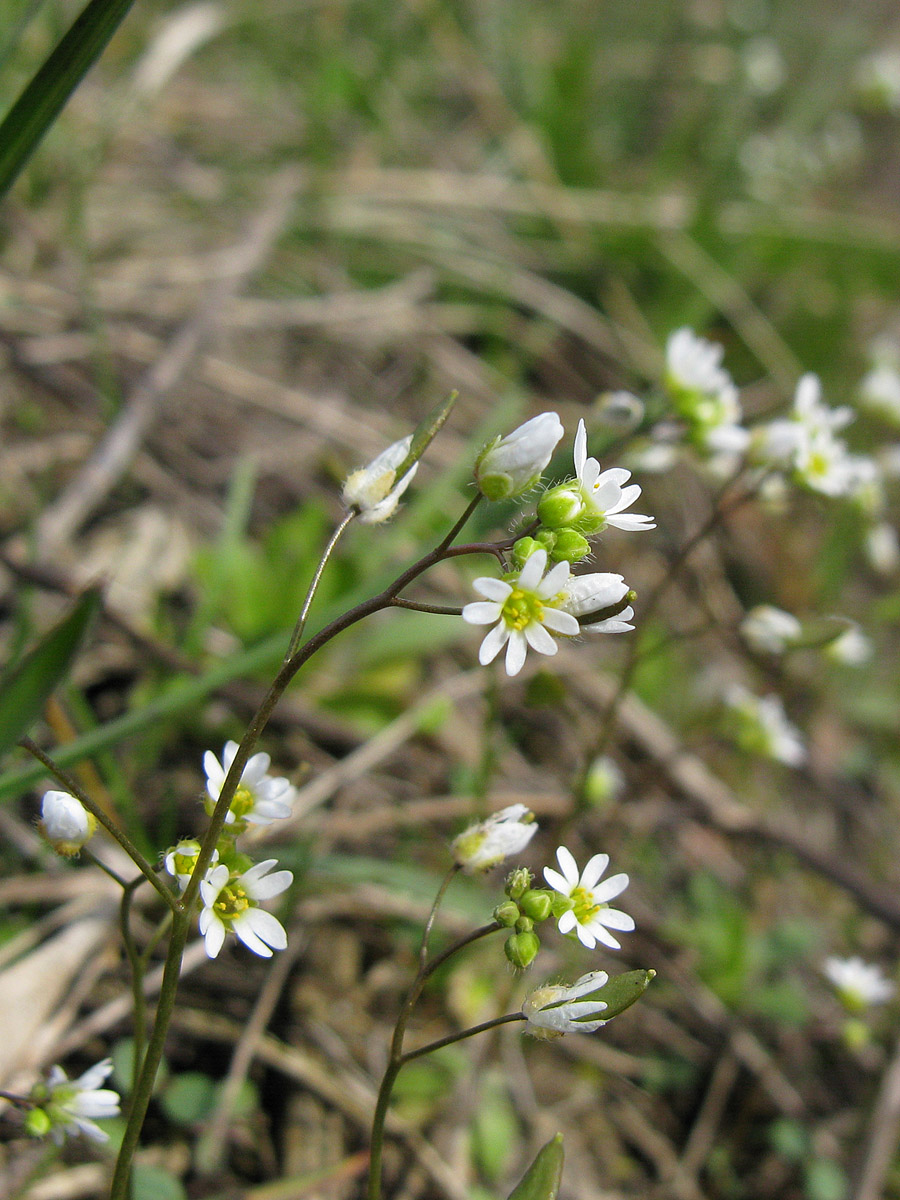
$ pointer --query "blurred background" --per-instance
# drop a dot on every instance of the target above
(262, 241)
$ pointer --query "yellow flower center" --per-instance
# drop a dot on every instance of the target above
(231, 902)
(521, 608)
(583, 904)
(243, 802)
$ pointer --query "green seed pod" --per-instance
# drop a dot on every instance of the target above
(621, 991)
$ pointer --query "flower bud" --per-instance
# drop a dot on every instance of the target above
(521, 949)
(38, 1123)
(512, 465)
(561, 506)
(524, 548)
(507, 913)
(570, 546)
(518, 882)
(536, 904)
(65, 823)
(524, 925)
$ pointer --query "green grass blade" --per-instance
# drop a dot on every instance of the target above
(44, 97)
(541, 1180)
(26, 691)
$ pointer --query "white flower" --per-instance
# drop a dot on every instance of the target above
(65, 822)
(770, 630)
(374, 489)
(512, 465)
(878, 80)
(694, 365)
(72, 1105)
(602, 493)
(488, 843)
(554, 1009)
(180, 860)
(879, 392)
(882, 548)
(858, 983)
(233, 903)
(524, 610)
(763, 727)
(259, 799)
(852, 648)
(590, 916)
(586, 596)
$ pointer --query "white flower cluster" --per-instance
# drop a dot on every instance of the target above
(539, 603)
(705, 397)
(762, 727)
(231, 890)
(858, 984)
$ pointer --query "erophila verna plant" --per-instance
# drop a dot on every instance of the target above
(534, 602)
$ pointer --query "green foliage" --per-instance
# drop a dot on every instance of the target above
(542, 1179)
(155, 1183)
(495, 1128)
(43, 99)
(27, 688)
(188, 1097)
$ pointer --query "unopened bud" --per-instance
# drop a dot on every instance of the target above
(65, 823)
(512, 465)
(521, 949)
(507, 913)
(38, 1123)
(571, 546)
(536, 903)
(518, 882)
(561, 506)
(524, 925)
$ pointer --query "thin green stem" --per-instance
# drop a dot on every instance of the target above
(426, 932)
(459, 1037)
(136, 963)
(114, 832)
(89, 856)
(396, 1059)
(155, 938)
(442, 610)
(143, 1086)
(314, 583)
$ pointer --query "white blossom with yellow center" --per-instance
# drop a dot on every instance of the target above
(590, 918)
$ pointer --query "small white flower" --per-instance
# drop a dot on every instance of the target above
(233, 903)
(374, 489)
(180, 860)
(65, 823)
(763, 727)
(858, 984)
(512, 465)
(590, 916)
(488, 843)
(603, 494)
(694, 365)
(705, 396)
(586, 596)
(72, 1105)
(852, 648)
(525, 609)
(552, 1010)
(260, 798)
(770, 630)
(879, 392)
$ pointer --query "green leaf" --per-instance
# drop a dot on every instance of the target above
(27, 688)
(541, 1180)
(155, 1183)
(188, 1097)
(44, 97)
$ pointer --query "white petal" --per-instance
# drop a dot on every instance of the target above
(568, 866)
(244, 931)
(493, 643)
(614, 918)
(631, 521)
(555, 581)
(594, 870)
(580, 448)
(561, 622)
(491, 588)
(567, 922)
(539, 639)
(267, 927)
(516, 652)
(609, 888)
(215, 936)
(586, 936)
(530, 575)
(600, 934)
(481, 612)
(556, 881)
(271, 885)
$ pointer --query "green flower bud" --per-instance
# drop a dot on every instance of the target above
(537, 904)
(561, 506)
(518, 882)
(524, 925)
(37, 1123)
(560, 904)
(855, 1034)
(521, 949)
(571, 546)
(523, 550)
(507, 913)
(512, 465)
(590, 522)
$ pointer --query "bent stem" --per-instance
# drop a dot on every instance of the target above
(314, 583)
(397, 1057)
